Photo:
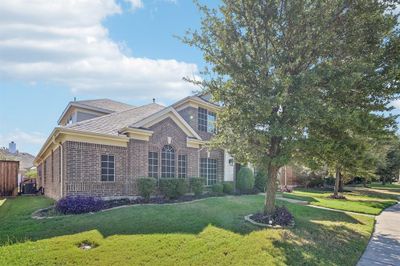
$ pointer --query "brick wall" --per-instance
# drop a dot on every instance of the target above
(82, 163)
(190, 115)
(83, 171)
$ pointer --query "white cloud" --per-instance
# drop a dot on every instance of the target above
(135, 4)
(22, 138)
(64, 42)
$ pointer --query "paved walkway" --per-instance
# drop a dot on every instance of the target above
(384, 246)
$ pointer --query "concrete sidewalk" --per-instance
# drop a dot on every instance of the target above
(384, 246)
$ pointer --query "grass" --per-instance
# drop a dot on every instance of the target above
(206, 232)
(359, 200)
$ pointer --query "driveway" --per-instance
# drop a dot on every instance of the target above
(384, 246)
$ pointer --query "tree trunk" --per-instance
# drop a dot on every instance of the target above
(269, 206)
(341, 183)
(337, 183)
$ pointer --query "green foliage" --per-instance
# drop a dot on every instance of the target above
(260, 181)
(288, 70)
(389, 169)
(173, 188)
(229, 187)
(197, 185)
(32, 173)
(146, 186)
(217, 189)
(245, 180)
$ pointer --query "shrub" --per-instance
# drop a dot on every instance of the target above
(245, 180)
(260, 180)
(197, 185)
(282, 216)
(217, 189)
(173, 188)
(146, 187)
(79, 204)
(329, 181)
(228, 187)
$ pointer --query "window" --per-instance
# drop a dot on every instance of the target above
(202, 119)
(206, 120)
(182, 166)
(211, 117)
(153, 164)
(107, 168)
(167, 162)
(208, 170)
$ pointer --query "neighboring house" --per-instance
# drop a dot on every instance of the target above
(101, 147)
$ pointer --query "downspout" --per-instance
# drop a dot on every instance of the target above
(61, 165)
(61, 170)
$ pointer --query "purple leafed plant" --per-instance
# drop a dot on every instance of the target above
(282, 216)
(79, 204)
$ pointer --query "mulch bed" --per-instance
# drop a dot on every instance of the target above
(50, 212)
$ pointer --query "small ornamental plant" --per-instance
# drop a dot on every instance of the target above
(146, 186)
(229, 187)
(79, 204)
(281, 217)
(197, 186)
(217, 189)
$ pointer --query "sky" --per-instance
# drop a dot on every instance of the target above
(126, 50)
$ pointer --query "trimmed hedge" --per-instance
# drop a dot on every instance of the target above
(197, 185)
(173, 188)
(245, 180)
(79, 204)
(217, 189)
(229, 187)
(260, 179)
(146, 187)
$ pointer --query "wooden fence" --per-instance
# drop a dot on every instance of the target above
(9, 178)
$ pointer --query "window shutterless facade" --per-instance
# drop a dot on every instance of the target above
(208, 170)
(202, 119)
(107, 168)
(167, 162)
(153, 164)
(182, 166)
(206, 120)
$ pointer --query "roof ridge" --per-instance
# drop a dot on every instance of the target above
(107, 115)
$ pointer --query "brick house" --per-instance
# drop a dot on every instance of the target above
(101, 147)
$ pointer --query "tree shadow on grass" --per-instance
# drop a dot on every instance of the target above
(190, 218)
(323, 245)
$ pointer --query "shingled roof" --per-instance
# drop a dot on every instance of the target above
(112, 123)
(106, 104)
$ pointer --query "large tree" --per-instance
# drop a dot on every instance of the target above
(389, 170)
(265, 60)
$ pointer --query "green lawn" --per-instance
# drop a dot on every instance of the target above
(207, 232)
(359, 200)
(393, 187)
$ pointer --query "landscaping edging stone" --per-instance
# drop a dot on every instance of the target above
(248, 219)
(37, 217)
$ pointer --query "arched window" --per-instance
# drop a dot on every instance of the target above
(167, 162)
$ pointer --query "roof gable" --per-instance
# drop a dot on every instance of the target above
(168, 112)
(100, 106)
(112, 123)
